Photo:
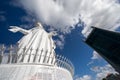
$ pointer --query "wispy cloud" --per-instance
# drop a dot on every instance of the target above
(60, 41)
(102, 13)
(27, 19)
(100, 72)
(95, 56)
(2, 16)
(84, 77)
(63, 14)
(103, 71)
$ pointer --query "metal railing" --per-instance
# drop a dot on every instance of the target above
(63, 62)
(9, 56)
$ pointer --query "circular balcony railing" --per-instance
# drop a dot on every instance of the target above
(9, 56)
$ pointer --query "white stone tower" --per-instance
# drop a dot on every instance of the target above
(35, 58)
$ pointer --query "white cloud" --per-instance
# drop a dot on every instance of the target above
(103, 71)
(28, 19)
(102, 13)
(95, 56)
(63, 14)
(2, 16)
(51, 12)
(60, 42)
(62, 38)
(85, 77)
(100, 72)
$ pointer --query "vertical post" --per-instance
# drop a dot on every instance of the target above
(30, 55)
(65, 61)
(45, 56)
(36, 55)
(23, 55)
(40, 55)
(2, 53)
(62, 61)
(17, 55)
(49, 56)
(56, 59)
(10, 56)
(53, 57)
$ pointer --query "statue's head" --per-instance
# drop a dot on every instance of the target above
(38, 24)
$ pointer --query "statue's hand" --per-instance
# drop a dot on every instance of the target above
(16, 29)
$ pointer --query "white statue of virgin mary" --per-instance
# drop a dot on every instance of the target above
(36, 45)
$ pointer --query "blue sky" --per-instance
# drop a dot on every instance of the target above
(73, 46)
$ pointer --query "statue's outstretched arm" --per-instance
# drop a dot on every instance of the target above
(16, 29)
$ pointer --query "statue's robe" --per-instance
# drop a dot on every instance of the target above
(36, 46)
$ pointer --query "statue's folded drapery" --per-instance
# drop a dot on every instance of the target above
(35, 45)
